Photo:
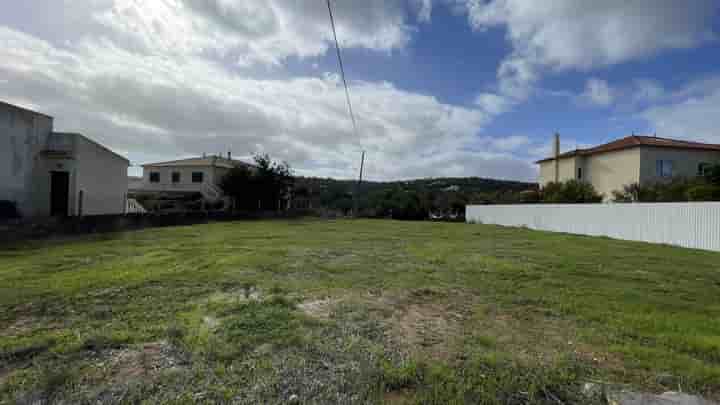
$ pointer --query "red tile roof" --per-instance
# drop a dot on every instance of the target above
(637, 140)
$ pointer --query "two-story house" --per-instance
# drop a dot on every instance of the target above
(633, 159)
(194, 175)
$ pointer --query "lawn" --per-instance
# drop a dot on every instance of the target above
(311, 311)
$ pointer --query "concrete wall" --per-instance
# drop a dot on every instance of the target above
(23, 134)
(102, 177)
(610, 171)
(685, 162)
(692, 225)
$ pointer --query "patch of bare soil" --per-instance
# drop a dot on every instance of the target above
(420, 322)
(401, 397)
(20, 326)
(319, 308)
(146, 361)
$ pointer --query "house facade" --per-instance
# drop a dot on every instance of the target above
(46, 173)
(194, 175)
(633, 159)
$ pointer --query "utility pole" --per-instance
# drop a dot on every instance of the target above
(356, 195)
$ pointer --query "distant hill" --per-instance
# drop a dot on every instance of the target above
(418, 197)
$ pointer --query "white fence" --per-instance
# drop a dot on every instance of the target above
(692, 225)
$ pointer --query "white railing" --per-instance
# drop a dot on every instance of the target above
(692, 225)
(134, 207)
(211, 192)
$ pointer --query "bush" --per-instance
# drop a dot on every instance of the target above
(704, 192)
(570, 192)
(8, 210)
(676, 190)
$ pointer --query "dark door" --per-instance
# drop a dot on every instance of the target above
(59, 193)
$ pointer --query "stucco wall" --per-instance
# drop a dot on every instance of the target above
(567, 170)
(210, 175)
(610, 171)
(23, 134)
(102, 176)
(685, 162)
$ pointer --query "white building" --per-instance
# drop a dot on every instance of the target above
(48, 173)
(194, 175)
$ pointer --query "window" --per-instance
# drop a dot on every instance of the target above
(579, 173)
(176, 177)
(197, 177)
(154, 177)
(664, 168)
(702, 168)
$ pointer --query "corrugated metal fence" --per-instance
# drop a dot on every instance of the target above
(693, 225)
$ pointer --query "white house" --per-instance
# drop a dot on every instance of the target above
(48, 173)
(194, 175)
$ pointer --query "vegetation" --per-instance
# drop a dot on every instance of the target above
(264, 186)
(415, 199)
(359, 311)
(570, 192)
(705, 188)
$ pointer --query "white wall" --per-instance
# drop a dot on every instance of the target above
(102, 176)
(692, 225)
(23, 134)
(210, 175)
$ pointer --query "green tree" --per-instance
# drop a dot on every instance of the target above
(266, 186)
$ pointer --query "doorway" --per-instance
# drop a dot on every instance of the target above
(59, 193)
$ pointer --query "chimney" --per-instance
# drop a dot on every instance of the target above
(556, 155)
(204, 155)
(229, 155)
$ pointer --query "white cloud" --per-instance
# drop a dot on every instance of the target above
(689, 113)
(152, 105)
(584, 34)
(598, 92)
(259, 31)
(492, 103)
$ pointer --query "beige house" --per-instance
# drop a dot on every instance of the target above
(194, 175)
(633, 159)
(46, 173)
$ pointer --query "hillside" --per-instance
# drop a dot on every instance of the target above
(414, 199)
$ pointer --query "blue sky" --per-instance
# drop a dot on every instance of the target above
(441, 87)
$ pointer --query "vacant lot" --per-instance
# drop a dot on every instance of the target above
(353, 312)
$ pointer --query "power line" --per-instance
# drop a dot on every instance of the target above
(342, 69)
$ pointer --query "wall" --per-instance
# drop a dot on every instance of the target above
(567, 170)
(23, 134)
(185, 185)
(692, 225)
(610, 171)
(685, 162)
(102, 176)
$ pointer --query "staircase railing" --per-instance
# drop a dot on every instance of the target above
(134, 207)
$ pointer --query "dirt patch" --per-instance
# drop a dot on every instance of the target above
(419, 322)
(401, 397)
(147, 361)
(320, 309)
(20, 326)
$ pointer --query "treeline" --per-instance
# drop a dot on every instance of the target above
(415, 199)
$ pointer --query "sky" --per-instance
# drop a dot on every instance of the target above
(439, 87)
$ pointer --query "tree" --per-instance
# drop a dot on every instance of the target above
(239, 185)
(267, 186)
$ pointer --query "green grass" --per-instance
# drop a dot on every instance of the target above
(415, 312)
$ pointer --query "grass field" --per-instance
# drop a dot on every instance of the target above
(312, 311)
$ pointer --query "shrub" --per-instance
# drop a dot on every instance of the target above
(569, 192)
(704, 192)
(8, 210)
